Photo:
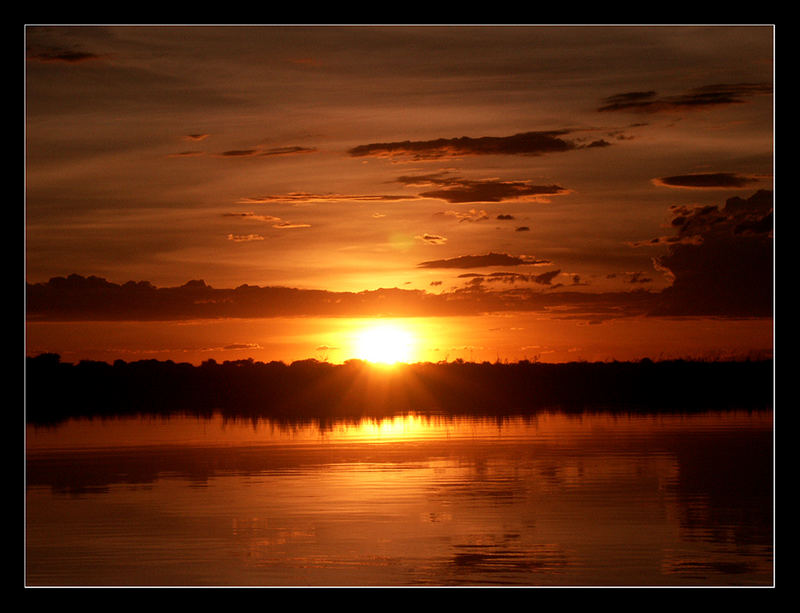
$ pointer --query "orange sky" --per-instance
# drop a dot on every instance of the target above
(545, 192)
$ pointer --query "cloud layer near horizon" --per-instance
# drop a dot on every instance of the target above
(77, 298)
(720, 262)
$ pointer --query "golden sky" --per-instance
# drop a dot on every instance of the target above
(512, 192)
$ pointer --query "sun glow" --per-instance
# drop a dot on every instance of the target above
(385, 343)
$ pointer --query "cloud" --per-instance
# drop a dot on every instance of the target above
(62, 55)
(240, 346)
(288, 150)
(522, 229)
(628, 99)
(458, 190)
(716, 180)
(436, 178)
(694, 99)
(505, 217)
(77, 298)
(433, 239)
(288, 225)
(493, 191)
(197, 137)
(455, 190)
(306, 198)
(722, 264)
(471, 216)
(240, 153)
(326, 348)
(186, 154)
(244, 238)
(253, 216)
(525, 143)
(637, 277)
(667, 240)
(481, 261)
(275, 221)
(544, 278)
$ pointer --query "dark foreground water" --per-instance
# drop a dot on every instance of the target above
(545, 500)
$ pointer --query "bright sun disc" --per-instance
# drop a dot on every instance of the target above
(384, 344)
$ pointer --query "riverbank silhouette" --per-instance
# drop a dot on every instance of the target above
(57, 390)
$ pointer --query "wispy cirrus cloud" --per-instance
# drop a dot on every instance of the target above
(187, 154)
(694, 99)
(257, 152)
(289, 225)
(307, 197)
(525, 143)
(253, 216)
(276, 222)
(68, 56)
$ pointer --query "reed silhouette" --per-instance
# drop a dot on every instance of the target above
(57, 390)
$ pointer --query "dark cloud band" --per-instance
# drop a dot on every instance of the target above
(698, 98)
(457, 190)
(525, 143)
(707, 181)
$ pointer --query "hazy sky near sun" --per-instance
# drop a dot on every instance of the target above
(497, 168)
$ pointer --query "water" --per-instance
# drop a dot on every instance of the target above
(545, 500)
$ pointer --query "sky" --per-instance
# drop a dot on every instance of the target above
(550, 193)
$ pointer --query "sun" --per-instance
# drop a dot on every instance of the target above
(384, 343)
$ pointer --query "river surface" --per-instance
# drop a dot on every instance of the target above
(593, 499)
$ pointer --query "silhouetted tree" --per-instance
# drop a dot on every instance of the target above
(57, 390)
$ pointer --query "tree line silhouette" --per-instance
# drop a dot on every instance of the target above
(57, 390)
